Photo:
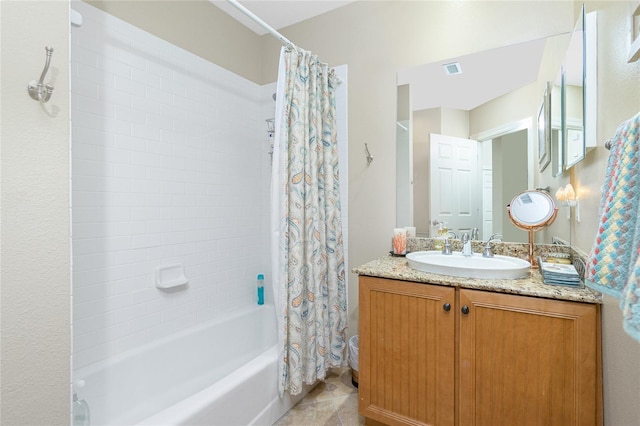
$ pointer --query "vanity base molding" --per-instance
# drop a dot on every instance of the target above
(437, 355)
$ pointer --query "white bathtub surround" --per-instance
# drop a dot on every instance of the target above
(170, 167)
(184, 379)
(307, 245)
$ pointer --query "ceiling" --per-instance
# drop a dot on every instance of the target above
(485, 75)
(278, 14)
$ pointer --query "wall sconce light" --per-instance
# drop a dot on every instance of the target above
(567, 197)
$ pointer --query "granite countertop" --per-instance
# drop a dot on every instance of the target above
(396, 268)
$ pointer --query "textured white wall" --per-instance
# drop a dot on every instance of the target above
(197, 26)
(170, 166)
(34, 240)
(618, 100)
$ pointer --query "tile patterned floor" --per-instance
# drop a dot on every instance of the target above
(333, 402)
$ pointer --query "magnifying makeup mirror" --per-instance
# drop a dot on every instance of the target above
(532, 211)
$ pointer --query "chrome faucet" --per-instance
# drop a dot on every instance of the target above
(446, 248)
(475, 233)
(487, 248)
(466, 245)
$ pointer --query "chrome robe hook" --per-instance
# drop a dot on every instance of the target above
(37, 89)
(369, 157)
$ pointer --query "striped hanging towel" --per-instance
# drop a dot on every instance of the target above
(613, 266)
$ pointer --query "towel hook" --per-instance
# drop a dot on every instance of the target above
(369, 156)
(37, 89)
(608, 144)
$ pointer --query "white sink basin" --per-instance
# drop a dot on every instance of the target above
(476, 266)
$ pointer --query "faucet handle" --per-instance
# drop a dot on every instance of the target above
(464, 237)
(487, 248)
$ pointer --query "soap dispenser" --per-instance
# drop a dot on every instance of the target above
(80, 411)
(438, 241)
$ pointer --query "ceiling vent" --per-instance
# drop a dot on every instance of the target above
(452, 68)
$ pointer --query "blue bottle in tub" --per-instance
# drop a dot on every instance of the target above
(260, 289)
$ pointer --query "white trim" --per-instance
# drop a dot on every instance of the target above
(590, 119)
(502, 130)
(513, 127)
(634, 38)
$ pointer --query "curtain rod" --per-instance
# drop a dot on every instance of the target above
(266, 26)
(260, 22)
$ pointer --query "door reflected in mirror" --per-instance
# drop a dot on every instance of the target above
(468, 182)
(456, 193)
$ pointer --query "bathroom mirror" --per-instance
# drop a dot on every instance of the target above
(491, 113)
(532, 211)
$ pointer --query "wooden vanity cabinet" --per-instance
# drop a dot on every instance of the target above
(406, 354)
(528, 361)
(489, 359)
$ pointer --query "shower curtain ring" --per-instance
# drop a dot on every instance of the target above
(290, 47)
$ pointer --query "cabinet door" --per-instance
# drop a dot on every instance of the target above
(527, 361)
(406, 354)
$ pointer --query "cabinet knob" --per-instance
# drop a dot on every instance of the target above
(446, 307)
(465, 309)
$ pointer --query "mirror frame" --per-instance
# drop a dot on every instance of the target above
(576, 126)
(557, 133)
(544, 129)
(543, 222)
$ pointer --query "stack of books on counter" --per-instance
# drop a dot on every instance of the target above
(559, 274)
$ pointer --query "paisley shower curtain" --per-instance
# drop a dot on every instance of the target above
(307, 247)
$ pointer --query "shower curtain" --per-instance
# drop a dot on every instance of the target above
(307, 248)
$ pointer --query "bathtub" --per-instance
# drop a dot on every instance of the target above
(220, 373)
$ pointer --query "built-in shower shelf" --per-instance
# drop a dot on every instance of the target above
(170, 276)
